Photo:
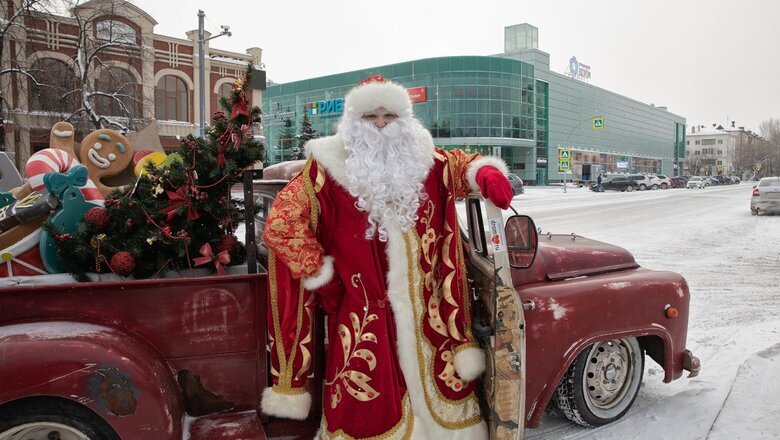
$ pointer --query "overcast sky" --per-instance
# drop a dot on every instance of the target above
(710, 61)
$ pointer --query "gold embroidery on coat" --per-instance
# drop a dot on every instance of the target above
(448, 374)
(355, 383)
(460, 413)
(402, 430)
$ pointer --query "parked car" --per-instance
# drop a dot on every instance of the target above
(713, 180)
(678, 182)
(662, 181)
(766, 196)
(735, 180)
(698, 182)
(643, 181)
(516, 182)
(616, 183)
(723, 180)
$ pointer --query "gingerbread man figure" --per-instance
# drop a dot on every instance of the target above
(105, 153)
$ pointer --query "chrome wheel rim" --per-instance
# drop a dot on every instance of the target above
(43, 431)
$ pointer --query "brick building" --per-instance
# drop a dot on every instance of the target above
(146, 82)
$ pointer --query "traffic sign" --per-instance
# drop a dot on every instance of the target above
(564, 153)
(598, 123)
(563, 165)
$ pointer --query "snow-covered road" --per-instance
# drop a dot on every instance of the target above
(731, 261)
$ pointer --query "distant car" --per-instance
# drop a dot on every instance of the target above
(616, 183)
(517, 184)
(766, 196)
(662, 180)
(643, 181)
(735, 180)
(698, 182)
(713, 181)
(678, 182)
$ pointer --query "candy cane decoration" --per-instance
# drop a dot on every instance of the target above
(52, 160)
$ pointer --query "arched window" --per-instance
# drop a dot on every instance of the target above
(116, 32)
(225, 90)
(54, 91)
(171, 99)
(121, 83)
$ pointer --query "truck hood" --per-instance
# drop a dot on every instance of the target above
(568, 256)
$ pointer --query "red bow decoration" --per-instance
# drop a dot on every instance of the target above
(208, 256)
(220, 155)
(239, 107)
(238, 137)
(177, 199)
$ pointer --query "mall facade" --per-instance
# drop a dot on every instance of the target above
(509, 105)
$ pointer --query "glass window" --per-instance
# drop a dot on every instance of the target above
(56, 79)
(225, 90)
(115, 31)
(121, 83)
(171, 99)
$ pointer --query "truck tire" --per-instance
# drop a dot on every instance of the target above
(602, 382)
(51, 418)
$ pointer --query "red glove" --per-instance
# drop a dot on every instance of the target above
(494, 185)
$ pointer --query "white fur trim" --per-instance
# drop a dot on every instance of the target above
(330, 153)
(470, 363)
(323, 275)
(288, 406)
(493, 161)
(367, 97)
(400, 302)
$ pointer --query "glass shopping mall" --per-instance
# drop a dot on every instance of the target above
(510, 105)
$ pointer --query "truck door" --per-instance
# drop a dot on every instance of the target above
(498, 322)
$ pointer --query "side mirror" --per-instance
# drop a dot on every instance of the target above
(522, 241)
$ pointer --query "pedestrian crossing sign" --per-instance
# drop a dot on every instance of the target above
(563, 165)
(564, 153)
(598, 123)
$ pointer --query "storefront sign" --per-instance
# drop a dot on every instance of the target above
(418, 94)
(541, 161)
(331, 106)
(622, 165)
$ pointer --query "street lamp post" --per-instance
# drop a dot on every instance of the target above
(202, 68)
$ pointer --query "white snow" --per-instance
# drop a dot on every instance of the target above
(731, 261)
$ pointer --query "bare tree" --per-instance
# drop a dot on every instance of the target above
(12, 22)
(108, 94)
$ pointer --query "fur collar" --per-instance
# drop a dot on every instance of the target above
(329, 152)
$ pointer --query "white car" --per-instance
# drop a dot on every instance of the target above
(644, 181)
(662, 181)
(766, 196)
(698, 182)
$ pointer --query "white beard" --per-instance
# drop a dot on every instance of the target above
(385, 171)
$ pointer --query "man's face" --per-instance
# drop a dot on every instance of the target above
(380, 117)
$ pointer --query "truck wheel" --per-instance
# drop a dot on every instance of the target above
(602, 383)
(48, 419)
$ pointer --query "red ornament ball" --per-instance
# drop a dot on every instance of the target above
(123, 263)
(97, 217)
(227, 243)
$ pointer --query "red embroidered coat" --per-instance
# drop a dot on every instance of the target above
(399, 318)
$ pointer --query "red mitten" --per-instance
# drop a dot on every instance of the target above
(494, 186)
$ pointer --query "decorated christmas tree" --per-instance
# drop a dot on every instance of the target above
(177, 215)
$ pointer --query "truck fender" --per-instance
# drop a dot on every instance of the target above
(113, 373)
(555, 377)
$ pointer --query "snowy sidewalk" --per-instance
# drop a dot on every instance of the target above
(752, 411)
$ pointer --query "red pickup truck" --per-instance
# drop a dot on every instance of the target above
(185, 358)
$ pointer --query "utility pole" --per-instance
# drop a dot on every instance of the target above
(202, 79)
